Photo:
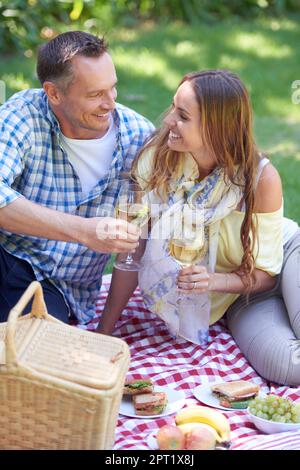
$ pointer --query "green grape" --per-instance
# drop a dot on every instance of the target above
(288, 416)
(297, 408)
(271, 398)
(276, 408)
(286, 406)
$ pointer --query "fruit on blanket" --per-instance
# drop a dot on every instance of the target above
(200, 438)
(203, 414)
(186, 428)
(276, 408)
(170, 437)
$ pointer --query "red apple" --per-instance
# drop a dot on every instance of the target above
(200, 439)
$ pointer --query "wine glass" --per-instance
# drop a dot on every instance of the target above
(132, 206)
(188, 246)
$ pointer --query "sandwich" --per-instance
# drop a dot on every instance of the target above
(236, 394)
(138, 386)
(148, 404)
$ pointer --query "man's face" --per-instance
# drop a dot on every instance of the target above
(85, 108)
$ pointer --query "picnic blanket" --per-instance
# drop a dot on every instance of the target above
(181, 365)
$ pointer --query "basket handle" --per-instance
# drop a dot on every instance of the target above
(117, 357)
(38, 310)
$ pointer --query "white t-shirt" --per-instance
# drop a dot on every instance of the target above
(91, 159)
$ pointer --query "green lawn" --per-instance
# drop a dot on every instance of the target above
(152, 59)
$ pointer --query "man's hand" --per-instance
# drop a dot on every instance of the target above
(100, 234)
(109, 235)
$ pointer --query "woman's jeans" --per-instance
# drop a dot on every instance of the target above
(267, 328)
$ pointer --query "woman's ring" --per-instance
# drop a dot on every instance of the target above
(194, 285)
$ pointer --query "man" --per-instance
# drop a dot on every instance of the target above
(62, 151)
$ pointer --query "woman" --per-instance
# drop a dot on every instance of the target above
(205, 151)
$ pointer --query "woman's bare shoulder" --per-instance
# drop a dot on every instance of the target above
(268, 194)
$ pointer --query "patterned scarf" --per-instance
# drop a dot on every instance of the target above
(157, 278)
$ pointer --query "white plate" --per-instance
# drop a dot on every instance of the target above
(204, 394)
(176, 400)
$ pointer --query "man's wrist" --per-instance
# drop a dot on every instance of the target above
(77, 230)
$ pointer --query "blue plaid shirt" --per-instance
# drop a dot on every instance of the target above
(34, 164)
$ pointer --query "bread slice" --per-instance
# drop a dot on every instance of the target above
(236, 390)
(138, 386)
(148, 404)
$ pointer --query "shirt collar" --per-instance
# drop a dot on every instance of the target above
(50, 114)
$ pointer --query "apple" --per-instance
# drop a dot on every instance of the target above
(200, 439)
(170, 437)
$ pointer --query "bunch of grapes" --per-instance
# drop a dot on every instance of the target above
(275, 408)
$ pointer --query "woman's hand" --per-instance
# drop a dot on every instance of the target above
(194, 279)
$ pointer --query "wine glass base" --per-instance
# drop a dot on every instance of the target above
(132, 266)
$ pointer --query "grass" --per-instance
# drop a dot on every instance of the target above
(151, 60)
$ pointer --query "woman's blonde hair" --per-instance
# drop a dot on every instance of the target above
(227, 132)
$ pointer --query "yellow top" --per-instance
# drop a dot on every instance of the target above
(229, 254)
(269, 255)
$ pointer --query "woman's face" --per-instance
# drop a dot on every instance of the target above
(183, 122)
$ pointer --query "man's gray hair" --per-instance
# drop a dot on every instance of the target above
(54, 62)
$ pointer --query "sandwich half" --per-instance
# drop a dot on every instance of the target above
(150, 404)
(137, 386)
(236, 394)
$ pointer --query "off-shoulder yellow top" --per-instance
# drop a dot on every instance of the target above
(268, 252)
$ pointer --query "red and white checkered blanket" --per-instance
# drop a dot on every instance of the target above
(183, 366)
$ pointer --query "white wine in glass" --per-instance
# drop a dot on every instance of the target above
(187, 252)
(133, 207)
(136, 213)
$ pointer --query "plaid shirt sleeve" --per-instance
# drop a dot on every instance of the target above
(13, 144)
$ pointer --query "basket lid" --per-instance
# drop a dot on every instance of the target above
(75, 355)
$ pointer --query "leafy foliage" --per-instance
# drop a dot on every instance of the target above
(24, 23)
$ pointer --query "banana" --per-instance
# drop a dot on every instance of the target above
(188, 427)
(202, 414)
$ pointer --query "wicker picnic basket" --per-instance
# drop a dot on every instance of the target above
(60, 387)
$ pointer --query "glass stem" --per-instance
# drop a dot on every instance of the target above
(182, 295)
(129, 259)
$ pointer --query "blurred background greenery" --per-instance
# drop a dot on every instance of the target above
(154, 43)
